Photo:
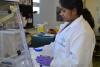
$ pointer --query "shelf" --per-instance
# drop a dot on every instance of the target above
(13, 0)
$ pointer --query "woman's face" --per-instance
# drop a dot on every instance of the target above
(67, 14)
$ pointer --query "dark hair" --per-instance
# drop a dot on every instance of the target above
(71, 4)
(88, 17)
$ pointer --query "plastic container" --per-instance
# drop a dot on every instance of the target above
(40, 28)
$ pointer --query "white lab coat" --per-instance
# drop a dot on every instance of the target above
(73, 47)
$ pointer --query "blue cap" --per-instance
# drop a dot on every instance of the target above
(38, 49)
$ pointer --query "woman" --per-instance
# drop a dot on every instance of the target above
(75, 42)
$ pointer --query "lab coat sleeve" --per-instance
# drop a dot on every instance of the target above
(48, 49)
(81, 49)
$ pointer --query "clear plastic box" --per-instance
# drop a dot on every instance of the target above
(13, 47)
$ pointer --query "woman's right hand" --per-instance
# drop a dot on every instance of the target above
(44, 60)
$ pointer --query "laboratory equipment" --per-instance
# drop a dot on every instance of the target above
(13, 47)
(42, 39)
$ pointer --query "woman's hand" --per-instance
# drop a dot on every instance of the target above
(44, 60)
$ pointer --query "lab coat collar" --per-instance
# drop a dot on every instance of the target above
(63, 25)
(72, 23)
(76, 21)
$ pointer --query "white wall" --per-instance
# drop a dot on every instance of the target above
(36, 19)
(48, 12)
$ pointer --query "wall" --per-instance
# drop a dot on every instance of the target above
(92, 6)
(48, 12)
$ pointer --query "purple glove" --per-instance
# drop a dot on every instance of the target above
(44, 60)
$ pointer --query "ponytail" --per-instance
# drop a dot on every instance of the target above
(88, 17)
